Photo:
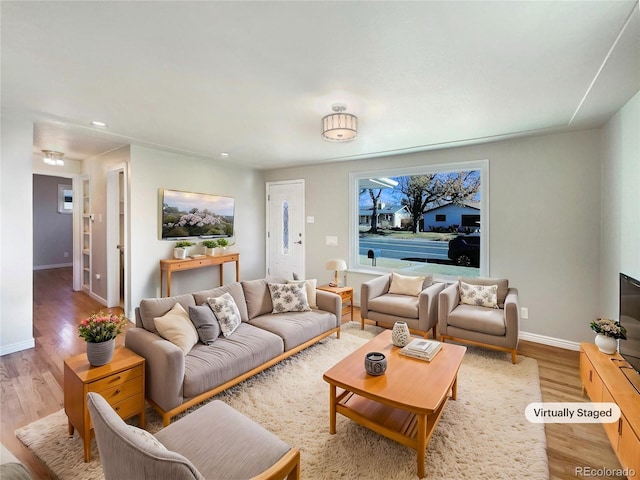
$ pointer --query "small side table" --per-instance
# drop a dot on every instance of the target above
(120, 382)
(346, 293)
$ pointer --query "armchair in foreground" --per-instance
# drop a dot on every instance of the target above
(214, 442)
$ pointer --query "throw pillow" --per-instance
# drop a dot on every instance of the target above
(405, 285)
(226, 312)
(310, 288)
(479, 295)
(176, 327)
(205, 322)
(288, 297)
(502, 283)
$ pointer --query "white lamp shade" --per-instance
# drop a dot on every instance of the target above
(336, 264)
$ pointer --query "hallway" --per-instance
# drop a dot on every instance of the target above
(31, 380)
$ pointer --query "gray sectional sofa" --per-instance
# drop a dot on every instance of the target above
(175, 381)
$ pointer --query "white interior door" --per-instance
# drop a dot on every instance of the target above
(117, 237)
(285, 228)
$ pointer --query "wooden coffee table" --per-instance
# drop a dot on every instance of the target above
(405, 403)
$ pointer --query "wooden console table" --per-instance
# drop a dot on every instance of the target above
(604, 381)
(174, 265)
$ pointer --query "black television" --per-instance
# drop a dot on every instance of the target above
(630, 320)
(190, 214)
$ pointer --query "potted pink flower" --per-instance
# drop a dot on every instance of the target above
(100, 331)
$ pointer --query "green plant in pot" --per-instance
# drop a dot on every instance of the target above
(223, 243)
(180, 249)
(209, 246)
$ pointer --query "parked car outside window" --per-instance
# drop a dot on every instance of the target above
(464, 250)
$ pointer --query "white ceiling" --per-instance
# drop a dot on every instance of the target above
(255, 78)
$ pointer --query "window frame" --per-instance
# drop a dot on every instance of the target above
(354, 210)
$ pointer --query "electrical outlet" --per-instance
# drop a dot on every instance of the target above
(65, 254)
(98, 276)
(524, 312)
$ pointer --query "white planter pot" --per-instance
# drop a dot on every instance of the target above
(221, 250)
(209, 251)
(180, 253)
(605, 344)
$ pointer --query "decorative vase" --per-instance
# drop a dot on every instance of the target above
(180, 253)
(210, 251)
(375, 363)
(400, 334)
(100, 353)
(605, 344)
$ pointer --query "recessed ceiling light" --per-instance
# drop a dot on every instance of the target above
(97, 123)
(225, 154)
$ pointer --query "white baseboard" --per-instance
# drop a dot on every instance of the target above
(97, 298)
(17, 347)
(56, 265)
(551, 341)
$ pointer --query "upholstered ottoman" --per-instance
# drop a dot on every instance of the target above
(215, 442)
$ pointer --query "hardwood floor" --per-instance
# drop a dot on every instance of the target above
(31, 381)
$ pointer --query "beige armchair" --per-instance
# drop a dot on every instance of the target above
(475, 324)
(214, 442)
(391, 298)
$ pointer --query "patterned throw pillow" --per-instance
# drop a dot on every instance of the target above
(479, 295)
(226, 312)
(288, 297)
(310, 288)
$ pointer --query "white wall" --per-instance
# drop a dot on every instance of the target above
(16, 236)
(620, 221)
(544, 222)
(152, 170)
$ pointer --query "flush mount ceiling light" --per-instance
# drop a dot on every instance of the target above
(51, 157)
(97, 123)
(339, 126)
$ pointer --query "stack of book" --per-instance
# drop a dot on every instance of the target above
(422, 349)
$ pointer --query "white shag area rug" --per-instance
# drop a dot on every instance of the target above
(482, 435)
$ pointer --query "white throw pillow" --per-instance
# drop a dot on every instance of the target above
(405, 285)
(288, 297)
(226, 312)
(176, 326)
(479, 295)
(310, 288)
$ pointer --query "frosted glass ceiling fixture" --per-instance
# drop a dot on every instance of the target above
(339, 126)
(51, 157)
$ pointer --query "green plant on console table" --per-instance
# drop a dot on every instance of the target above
(223, 242)
(210, 243)
(184, 244)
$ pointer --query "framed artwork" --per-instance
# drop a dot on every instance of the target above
(65, 199)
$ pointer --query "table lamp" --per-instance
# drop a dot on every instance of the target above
(337, 265)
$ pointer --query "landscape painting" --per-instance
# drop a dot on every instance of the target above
(188, 214)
